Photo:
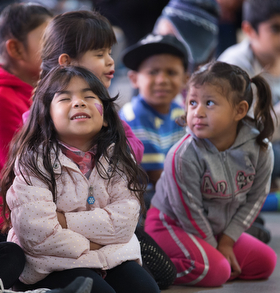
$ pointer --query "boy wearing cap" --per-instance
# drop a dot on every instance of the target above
(259, 52)
(158, 66)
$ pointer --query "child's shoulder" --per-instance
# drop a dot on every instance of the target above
(136, 111)
(185, 147)
(240, 54)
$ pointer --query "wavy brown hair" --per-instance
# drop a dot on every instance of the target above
(38, 138)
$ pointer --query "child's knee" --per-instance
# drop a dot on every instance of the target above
(218, 273)
(265, 263)
(259, 263)
(202, 274)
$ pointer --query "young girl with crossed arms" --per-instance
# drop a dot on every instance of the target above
(74, 190)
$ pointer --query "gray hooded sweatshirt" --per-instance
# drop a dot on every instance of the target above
(210, 192)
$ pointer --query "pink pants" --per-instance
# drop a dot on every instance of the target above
(200, 264)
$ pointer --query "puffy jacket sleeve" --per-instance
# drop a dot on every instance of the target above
(35, 223)
(114, 223)
(247, 213)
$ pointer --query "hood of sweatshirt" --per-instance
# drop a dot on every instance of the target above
(11, 81)
(246, 133)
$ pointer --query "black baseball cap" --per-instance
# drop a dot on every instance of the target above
(151, 45)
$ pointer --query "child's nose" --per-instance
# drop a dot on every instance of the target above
(79, 103)
(110, 60)
(162, 77)
(199, 111)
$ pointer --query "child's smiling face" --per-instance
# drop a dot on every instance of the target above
(159, 79)
(77, 114)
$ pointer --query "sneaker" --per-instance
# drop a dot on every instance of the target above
(260, 232)
(79, 285)
(259, 220)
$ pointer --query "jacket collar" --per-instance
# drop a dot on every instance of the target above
(246, 132)
(65, 161)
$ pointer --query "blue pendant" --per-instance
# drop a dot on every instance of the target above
(91, 200)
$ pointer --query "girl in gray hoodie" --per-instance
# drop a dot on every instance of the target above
(215, 181)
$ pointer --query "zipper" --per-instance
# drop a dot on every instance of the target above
(228, 178)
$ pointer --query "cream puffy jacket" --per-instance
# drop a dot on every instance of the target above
(110, 221)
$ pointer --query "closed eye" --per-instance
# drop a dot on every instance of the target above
(64, 99)
(90, 97)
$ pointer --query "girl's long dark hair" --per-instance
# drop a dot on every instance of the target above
(38, 139)
(237, 86)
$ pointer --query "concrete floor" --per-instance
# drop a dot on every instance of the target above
(272, 285)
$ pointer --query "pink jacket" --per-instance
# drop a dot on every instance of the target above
(110, 221)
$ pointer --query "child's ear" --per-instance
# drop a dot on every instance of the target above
(64, 59)
(15, 49)
(248, 29)
(241, 110)
(133, 76)
(105, 123)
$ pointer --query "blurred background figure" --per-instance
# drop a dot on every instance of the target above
(229, 24)
(136, 18)
(259, 53)
(4, 3)
(60, 6)
(195, 24)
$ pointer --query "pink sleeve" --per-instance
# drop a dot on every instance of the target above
(136, 144)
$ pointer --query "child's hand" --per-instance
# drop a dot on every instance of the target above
(95, 246)
(225, 246)
(62, 220)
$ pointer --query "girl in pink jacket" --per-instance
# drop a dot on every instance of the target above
(73, 189)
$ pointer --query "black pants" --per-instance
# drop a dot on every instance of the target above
(125, 278)
(12, 260)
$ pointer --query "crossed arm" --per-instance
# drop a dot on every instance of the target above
(62, 221)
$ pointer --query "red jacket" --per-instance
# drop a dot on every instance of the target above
(15, 99)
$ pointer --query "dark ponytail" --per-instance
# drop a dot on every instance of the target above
(263, 111)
